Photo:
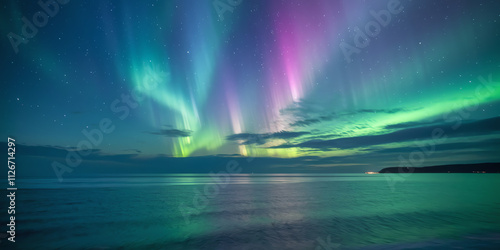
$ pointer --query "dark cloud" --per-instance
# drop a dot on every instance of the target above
(173, 133)
(480, 127)
(38, 161)
(387, 111)
(250, 138)
(310, 121)
(410, 124)
(133, 150)
(320, 115)
(304, 123)
(287, 135)
(308, 113)
(48, 150)
(304, 108)
(483, 145)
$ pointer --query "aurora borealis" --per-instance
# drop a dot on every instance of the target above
(269, 81)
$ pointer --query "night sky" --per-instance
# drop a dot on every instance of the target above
(277, 86)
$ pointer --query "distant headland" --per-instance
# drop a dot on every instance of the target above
(456, 168)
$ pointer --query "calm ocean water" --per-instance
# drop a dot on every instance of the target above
(281, 211)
